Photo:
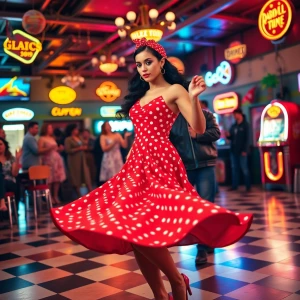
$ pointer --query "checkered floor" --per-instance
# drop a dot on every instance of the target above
(38, 262)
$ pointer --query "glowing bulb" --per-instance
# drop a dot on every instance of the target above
(103, 58)
(122, 60)
(131, 16)
(170, 16)
(114, 58)
(172, 26)
(119, 22)
(122, 33)
(95, 61)
(153, 14)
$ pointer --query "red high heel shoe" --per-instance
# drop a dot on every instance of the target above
(187, 283)
(188, 288)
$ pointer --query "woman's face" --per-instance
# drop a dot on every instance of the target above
(50, 130)
(148, 66)
(2, 147)
(107, 127)
(75, 131)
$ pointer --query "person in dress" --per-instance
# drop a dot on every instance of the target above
(53, 160)
(89, 142)
(111, 143)
(77, 167)
(9, 169)
(150, 204)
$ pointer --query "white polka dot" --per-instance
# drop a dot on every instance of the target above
(214, 211)
(199, 211)
(246, 218)
(109, 232)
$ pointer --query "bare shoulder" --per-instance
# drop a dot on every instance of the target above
(175, 91)
(177, 88)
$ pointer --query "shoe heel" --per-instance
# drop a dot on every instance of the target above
(187, 284)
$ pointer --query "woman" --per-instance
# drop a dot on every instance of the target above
(150, 205)
(52, 159)
(77, 167)
(110, 142)
(9, 166)
(88, 141)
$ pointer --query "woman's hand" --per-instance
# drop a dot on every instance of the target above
(197, 86)
(18, 155)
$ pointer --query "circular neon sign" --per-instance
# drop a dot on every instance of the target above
(275, 19)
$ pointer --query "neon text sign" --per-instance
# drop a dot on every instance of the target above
(18, 114)
(275, 19)
(223, 74)
(22, 47)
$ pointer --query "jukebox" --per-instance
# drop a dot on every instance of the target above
(279, 144)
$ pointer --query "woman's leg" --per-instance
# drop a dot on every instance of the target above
(3, 206)
(152, 274)
(55, 186)
(162, 258)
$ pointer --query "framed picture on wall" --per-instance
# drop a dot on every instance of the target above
(255, 114)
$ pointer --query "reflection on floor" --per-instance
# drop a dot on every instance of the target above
(41, 263)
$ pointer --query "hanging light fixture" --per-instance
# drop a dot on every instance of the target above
(146, 25)
(108, 63)
(72, 79)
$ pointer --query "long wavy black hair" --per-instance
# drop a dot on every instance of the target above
(137, 88)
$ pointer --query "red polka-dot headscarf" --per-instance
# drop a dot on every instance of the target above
(152, 44)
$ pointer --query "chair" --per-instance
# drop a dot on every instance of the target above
(39, 173)
(9, 200)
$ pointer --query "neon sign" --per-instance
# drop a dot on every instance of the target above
(22, 47)
(62, 95)
(12, 89)
(108, 91)
(236, 52)
(224, 75)
(275, 19)
(109, 111)
(149, 34)
(18, 114)
(66, 111)
(226, 103)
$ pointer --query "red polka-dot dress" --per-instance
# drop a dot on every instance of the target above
(150, 202)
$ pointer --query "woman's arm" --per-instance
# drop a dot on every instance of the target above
(69, 149)
(189, 104)
(104, 146)
(16, 163)
(123, 141)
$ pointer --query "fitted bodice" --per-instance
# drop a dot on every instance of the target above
(153, 120)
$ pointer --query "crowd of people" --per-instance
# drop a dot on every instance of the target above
(74, 157)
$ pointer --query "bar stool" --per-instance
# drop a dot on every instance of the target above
(39, 190)
(11, 200)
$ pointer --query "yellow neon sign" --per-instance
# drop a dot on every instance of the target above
(275, 19)
(149, 34)
(108, 91)
(268, 171)
(62, 95)
(66, 111)
(23, 47)
(226, 103)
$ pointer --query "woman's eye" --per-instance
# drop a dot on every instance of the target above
(148, 63)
